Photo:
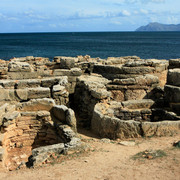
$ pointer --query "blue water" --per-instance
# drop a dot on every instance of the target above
(160, 45)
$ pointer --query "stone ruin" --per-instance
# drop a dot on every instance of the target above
(43, 102)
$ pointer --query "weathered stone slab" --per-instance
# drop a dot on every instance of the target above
(19, 67)
(127, 81)
(41, 154)
(138, 104)
(29, 83)
(173, 77)
(7, 83)
(138, 70)
(134, 94)
(23, 75)
(100, 93)
(59, 111)
(67, 72)
(174, 63)
(40, 92)
(4, 95)
(44, 104)
(165, 128)
(22, 94)
(172, 93)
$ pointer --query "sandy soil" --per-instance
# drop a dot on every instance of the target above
(109, 161)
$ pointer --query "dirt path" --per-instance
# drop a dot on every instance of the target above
(110, 161)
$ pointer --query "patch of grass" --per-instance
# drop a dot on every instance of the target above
(149, 154)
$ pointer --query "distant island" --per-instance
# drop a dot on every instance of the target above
(159, 27)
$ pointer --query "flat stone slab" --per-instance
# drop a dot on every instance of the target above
(138, 104)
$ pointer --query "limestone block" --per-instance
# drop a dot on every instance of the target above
(173, 77)
(10, 116)
(124, 81)
(134, 94)
(39, 92)
(174, 63)
(4, 94)
(59, 111)
(164, 128)
(23, 75)
(172, 93)
(118, 95)
(22, 94)
(62, 72)
(44, 104)
(100, 93)
(71, 119)
(138, 70)
(161, 68)
(41, 154)
(101, 69)
(19, 67)
(29, 83)
(67, 62)
(58, 88)
(7, 83)
(48, 82)
(138, 104)
(76, 72)
(128, 129)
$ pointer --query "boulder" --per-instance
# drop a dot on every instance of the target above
(67, 63)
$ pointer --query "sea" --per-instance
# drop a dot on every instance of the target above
(158, 45)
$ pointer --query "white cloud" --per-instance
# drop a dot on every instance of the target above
(125, 13)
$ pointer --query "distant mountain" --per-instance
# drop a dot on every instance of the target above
(159, 27)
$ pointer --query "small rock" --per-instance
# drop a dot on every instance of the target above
(105, 140)
(127, 143)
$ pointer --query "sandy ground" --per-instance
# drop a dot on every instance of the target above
(109, 161)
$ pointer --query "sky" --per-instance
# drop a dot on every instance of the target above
(85, 15)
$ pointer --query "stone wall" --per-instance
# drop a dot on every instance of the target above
(34, 124)
(117, 97)
(172, 88)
